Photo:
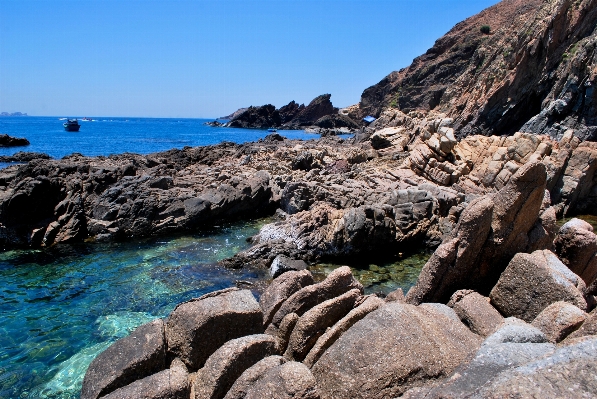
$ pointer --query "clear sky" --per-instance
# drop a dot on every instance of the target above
(207, 58)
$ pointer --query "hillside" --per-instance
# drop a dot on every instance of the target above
(533, 72)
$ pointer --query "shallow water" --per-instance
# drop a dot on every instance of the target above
(381, 278)
(60, 307)
(591, 219)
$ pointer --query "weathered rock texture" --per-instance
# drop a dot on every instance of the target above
(392, 349)
(536, 69)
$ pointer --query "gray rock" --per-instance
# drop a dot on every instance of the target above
(280, 290)
(531, 282)
(167, 384)
(370, 304)
(568, 373)
(283, 264)
(311, 325)
(291, 380)
(476, 312)
(227, 364)
(516, 331)
(337, 283)
(196, 328)
(392, 349)
(558, 320)
(251, 375)
(138, 355)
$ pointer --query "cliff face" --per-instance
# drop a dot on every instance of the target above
(533, 72)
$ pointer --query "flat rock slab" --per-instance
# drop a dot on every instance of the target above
(197, 328)
(291, 380)
(392, 349)
(138, 355)
(558, 320)
(531, 282)
(226, 364)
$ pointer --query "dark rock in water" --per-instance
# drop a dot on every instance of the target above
(262, 117)
(227, 364)
(136, 356)
(214, 124)
(335, 121)
(197, 328)
(291, 380)
(283, 264)
(22, 156)
(172, 383)
(8, 141)
(317, 108)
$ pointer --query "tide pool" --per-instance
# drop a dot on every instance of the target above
(62, 306)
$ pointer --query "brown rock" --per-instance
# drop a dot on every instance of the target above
(531, 282)
(370, 304)
(138, 355)
(226, 364)
(251, 375)
(337, 283)
(589, 327)
(281, 289)
(283, 333)
(558, 320)
(196, 328)
(291, 380)
(476, 312)
(311, 325)
(392, 349)
(395, 296)
(576, 246)
(172, 383)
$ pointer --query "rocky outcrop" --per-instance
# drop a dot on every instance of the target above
(262, 117)
(533, 73)
(9, 141)
(291, 380)
(558, 320)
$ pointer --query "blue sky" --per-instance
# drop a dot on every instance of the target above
(207, 58)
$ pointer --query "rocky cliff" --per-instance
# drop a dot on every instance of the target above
(533, 71)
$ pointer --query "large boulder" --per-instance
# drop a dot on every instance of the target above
(391, 350)
(337, 283)
(531, 282)
(197, 328)
(172, 383)
(589, 327)
(515, 343)
(576, 246)
(280, 290)
(476, 312)
(138, 355)
(291, 380)
(316, 321)
(227, 364)
(370, 304)
(558, 320)
(251, 375)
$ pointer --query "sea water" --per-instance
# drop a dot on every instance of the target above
(60, 307)
(105, 136)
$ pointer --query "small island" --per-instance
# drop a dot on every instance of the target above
(9, 141)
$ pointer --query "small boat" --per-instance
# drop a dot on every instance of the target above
(272, 130)
(86, 119)
(71, 125)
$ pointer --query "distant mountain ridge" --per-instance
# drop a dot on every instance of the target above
(533, 72)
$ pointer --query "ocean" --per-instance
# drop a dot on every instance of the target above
(61, 306)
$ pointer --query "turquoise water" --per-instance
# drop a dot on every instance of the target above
(105, 136)
(60, 307)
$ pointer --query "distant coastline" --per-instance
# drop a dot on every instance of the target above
(13, 114)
